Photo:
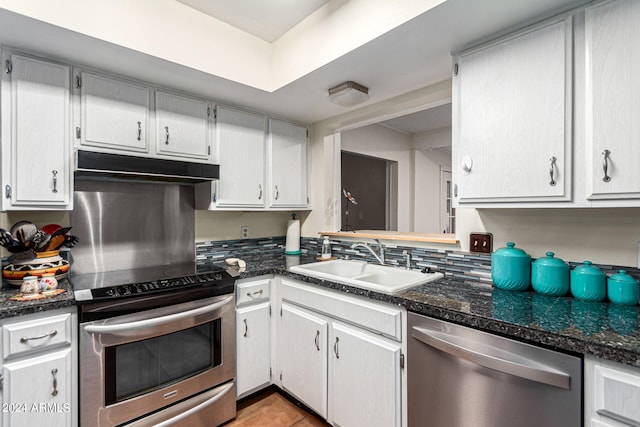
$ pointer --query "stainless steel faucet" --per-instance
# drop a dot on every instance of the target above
(380, 257)
(407, 256)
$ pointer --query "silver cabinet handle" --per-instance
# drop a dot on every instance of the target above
(53, 333)
(552, 169)
(605, 165)
(252, 294)
(317, 340)
(335, 348)
(277, 193)
(513, 365)
(246, 328)
(619, 418)
(55, 180)
(139, 130)
(259, 191)
(166, 133)
(54, 371)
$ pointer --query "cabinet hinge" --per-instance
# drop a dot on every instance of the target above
(215, 113)
(402, 361)
(280, 375)
(8, 66)
(208, 111)
(78, 133)
(269, 310)
(7, 191)
(280, 311)
(208, 150)
(78, 82)
(456, 69)
(213, 197)
(307, 133)
(270, 373)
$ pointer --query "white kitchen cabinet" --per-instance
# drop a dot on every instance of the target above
(253, 335)
(240, 140)
(287, 162)
(612, 100)
(364, 378)
(302, 356)
(113, 114)
(39, 369)
(512, 115)
(342, 355)
(182, 126)
(611, 393)
(36, 141)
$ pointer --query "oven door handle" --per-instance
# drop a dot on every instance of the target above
(123, 328)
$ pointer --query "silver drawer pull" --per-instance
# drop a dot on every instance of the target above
(246, 328)
(50, 334)
(253, 294)
(317, 340)
(55, 180)
(552, 171)
(54, 371)
(139, 131)
(335, 348)
(166, 134)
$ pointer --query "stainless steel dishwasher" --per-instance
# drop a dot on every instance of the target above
(461, 377)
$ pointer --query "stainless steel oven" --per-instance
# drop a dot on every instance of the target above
(172, 365)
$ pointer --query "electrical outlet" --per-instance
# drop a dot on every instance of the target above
(481, 243)
(244, 232)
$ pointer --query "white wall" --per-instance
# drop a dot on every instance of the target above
(427, 200)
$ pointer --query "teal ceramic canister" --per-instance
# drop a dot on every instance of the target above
(550, 276)
(511, 268)
(622, 289)
(588, 283)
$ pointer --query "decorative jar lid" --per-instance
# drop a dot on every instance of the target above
(511, 251)
(587, 267)
(622, 277)
(550, 261)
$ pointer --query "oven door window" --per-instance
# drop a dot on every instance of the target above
(139, 367)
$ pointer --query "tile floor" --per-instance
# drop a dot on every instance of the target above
(272, 409)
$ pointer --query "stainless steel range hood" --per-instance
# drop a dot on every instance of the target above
(105, 165)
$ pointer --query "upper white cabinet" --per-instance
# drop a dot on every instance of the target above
(240, 138)
(182, 126)
(512, 118)
(114, 114)
(612, 100)
(36, 140)
(287, 160)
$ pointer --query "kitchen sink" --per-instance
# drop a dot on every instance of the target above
(360, 274)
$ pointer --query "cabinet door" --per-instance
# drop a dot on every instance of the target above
(182, 126)
(364, 378)
(253, 348)
(36, 141)
(512, 118)
(115, 114)
(613, 100)
(240, 138)
(287, 159)
(302, 356)
(37, 391)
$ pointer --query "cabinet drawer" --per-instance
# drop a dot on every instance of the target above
(248, 292)
(616, 392)
(32, 335)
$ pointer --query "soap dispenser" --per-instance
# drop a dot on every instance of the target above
(326, 249)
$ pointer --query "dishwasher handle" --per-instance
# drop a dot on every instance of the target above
(540, 373)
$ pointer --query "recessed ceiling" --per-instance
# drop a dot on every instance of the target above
(266, 19)
(421, 121)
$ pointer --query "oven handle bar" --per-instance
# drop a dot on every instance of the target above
(186, 414)
(155, 321)
(508, 363)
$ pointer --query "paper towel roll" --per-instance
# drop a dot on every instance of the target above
(292, 245)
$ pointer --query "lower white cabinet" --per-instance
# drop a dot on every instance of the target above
(341, 355)
(39, 369)
(611, 393)
(253, 335)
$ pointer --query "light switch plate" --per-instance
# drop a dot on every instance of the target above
(481, 243)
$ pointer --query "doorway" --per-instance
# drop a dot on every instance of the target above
(366, 179)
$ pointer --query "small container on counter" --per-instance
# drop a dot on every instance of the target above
(48, 282)
(511, 268)
(622, 289)
(550, 276)
(30, 286)
(588, 283)
(326, 249)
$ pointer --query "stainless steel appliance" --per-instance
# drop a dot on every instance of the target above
(157, 333)
(460, 377)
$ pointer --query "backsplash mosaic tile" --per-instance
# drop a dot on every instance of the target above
(471, 268)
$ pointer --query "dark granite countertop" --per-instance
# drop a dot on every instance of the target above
(562, 323)
(11, 308)
(602, 329)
